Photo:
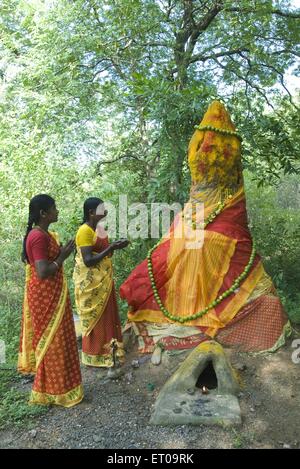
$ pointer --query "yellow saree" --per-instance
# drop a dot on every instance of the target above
(96, 304)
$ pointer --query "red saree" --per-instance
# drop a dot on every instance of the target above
(48, 346)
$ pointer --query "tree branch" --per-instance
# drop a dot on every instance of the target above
(286, 51)
(203, 58)
(203, 24)
(285, 14)
(121, 158)
(246, 80)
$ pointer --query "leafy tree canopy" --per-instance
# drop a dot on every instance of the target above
(120, 84)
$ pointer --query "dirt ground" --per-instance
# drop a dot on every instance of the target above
(115, 413)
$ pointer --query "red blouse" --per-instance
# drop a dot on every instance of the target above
(37, 244)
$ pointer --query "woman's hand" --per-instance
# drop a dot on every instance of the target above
(120, 244)
(67, 249)
(47, 268)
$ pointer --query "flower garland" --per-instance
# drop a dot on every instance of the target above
(211, 216)
(221, 131)
(220, 298)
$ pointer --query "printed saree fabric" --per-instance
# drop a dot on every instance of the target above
(96, 304)
(48, 346)
(198, 278)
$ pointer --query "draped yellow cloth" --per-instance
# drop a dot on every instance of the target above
(194, 276)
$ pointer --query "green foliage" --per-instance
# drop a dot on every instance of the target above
(274, 214)
(11, 297)
(241, 440)
(126, 81)
(14, 408)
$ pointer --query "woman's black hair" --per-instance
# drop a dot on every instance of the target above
(37, 203)
(90, 204)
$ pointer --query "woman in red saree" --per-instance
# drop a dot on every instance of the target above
(48, 346)
(182, 295)
(94, 290)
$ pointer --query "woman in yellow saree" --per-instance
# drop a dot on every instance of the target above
(48, 346)
(94, 290)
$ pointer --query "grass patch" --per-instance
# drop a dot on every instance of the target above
(293, 308)
(241, 440)
(14, 407)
